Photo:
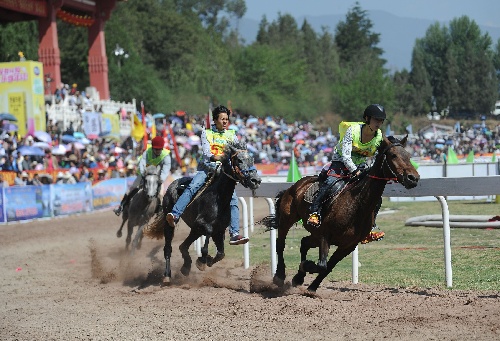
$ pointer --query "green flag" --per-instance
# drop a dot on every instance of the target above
(452, 157)
(470, 157)
(293, 171)
(494, 157)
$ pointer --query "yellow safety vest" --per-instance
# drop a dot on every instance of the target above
(360, 151)
(151, 160)
(218, 140)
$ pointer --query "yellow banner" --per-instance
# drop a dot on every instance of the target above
(110, 125)
(138, 130)
(21, 90)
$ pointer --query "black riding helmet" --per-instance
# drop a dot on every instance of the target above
(375, 110)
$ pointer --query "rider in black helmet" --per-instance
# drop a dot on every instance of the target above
(360, 141)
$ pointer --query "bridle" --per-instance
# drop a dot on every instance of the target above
(239, 175)
(393, 173)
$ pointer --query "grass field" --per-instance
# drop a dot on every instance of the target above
(407, 256)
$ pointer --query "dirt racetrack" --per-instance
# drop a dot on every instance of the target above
(69, 279)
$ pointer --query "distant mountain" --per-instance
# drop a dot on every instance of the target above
(397, 34)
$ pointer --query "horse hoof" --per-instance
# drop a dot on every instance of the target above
(185, 270)
(210, 261)
(308, 266)
(298, 279)
(119, 234)
(166, 281)
(278, 281)
(200, 265)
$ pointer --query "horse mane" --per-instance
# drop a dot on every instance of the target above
(230, 147)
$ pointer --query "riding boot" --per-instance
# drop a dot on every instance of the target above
(119, 209)
(315, 208)
(374, 235)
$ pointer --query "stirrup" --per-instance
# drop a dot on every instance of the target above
(314, 219)
(118, 210)
(373, 237)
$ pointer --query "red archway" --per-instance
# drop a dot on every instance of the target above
(90, 13)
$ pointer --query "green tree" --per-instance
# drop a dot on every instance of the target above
(311, 53)
(74, 51)
(460, 64)
(403, 91)
(355, 40)
(16, 37)
(420, 97)
(271, 78)
(496, 64)
(262, 33)
(362, 78)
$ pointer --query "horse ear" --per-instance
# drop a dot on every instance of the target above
(403, 141)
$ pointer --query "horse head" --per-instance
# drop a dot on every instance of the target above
(396, 162)
(241, 165)
(151, 181)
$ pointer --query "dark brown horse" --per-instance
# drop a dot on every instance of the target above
(347, 217)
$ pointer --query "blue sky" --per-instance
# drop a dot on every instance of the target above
(484, 12)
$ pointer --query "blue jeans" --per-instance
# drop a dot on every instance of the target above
(197, 182)
(234, 228)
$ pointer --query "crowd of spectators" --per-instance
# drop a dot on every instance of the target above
(72, 96)
(271, 140)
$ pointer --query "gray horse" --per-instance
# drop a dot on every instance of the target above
(142, 207)
(208, 213)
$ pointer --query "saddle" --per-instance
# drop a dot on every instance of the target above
(313, 189)
(184, 183)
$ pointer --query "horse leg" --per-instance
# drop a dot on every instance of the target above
(168, 233)
(130, 230)
(219, 244)
(119, 232)
(279, 276)
(336, 257)
(184, 248)
(201, 262)
(298, 279)
(324, 248)
(136, 244)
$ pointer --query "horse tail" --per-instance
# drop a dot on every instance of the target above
(271, 221)
(154, 229)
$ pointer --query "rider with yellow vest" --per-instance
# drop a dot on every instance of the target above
(156, 155)
(360, 141)
(212, 142)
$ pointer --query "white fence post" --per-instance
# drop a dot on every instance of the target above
(246, 247)
(250, 213)
(447, 241)
(355, 265)
(272, 236)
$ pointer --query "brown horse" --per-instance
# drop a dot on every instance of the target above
(348, 217)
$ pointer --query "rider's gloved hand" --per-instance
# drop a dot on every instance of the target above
(355, 175)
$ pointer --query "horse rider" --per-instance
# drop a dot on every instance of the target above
(212, 141)
(156, 155)
(361, 141)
